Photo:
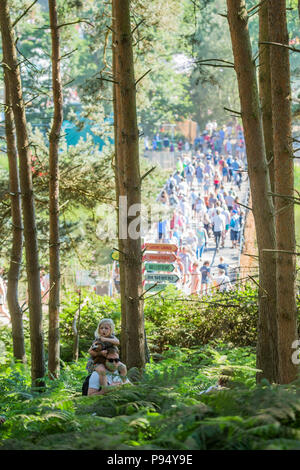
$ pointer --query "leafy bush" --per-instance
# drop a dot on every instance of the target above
(169, 319)
(230, 317)
(93, 308)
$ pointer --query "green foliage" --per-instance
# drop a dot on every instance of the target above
(164, 410)
(93, 309)
(170, 320)
(230, 317)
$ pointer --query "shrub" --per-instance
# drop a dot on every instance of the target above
(230, 317)
(93, 308)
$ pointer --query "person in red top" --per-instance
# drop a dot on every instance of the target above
(217, 180)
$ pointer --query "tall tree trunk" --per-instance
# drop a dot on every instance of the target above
(284, 186)
(135, 347)
(267, 351)
(265, 93)
(30, 232)
(54, 242)
(120, 190)
(15, 310)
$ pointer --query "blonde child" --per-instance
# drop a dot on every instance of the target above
(104, 338)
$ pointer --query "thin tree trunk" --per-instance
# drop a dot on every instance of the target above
(120, 190)
(54, 242)
(30, 232)
(284, 185)
(15, 310)
(135, 350)
(265, 93)
(267, 351)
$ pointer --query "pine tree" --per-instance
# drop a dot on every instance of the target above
(14, 307)
(129, 183)
(54, 241)
(28, 206)
(284, 190)
(267, 348)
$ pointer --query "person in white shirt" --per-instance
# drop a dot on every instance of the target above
(223, 283)
(102, 382)
(218, 222)
(226, 214)
(183, 187)
(229, 199)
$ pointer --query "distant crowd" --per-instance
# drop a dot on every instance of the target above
(201, 197)
(227, 139)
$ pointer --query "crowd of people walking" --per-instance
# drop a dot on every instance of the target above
(203, 202)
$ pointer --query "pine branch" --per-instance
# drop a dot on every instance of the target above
(148, 172)
(232, 111)
(24, 13)
(215, 60)
(278, 44)
(75, 22)
(256, 7)
(282, 251)
(138, 25)
(142, 77)
(68, 54)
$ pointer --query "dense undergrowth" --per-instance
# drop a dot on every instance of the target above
(169, 319)
(165, 408)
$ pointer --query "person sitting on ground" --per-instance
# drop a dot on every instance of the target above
(223, 381)
(111, 373)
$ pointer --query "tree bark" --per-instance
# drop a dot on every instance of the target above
(284, 185)
(120, 190)
(54, 241)
(30, 232)
(267, 351)
(15, 310)
(265, 94)
(135, 347)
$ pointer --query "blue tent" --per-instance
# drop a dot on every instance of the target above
(73, 134)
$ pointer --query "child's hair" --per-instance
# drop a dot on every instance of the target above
(105, 320)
